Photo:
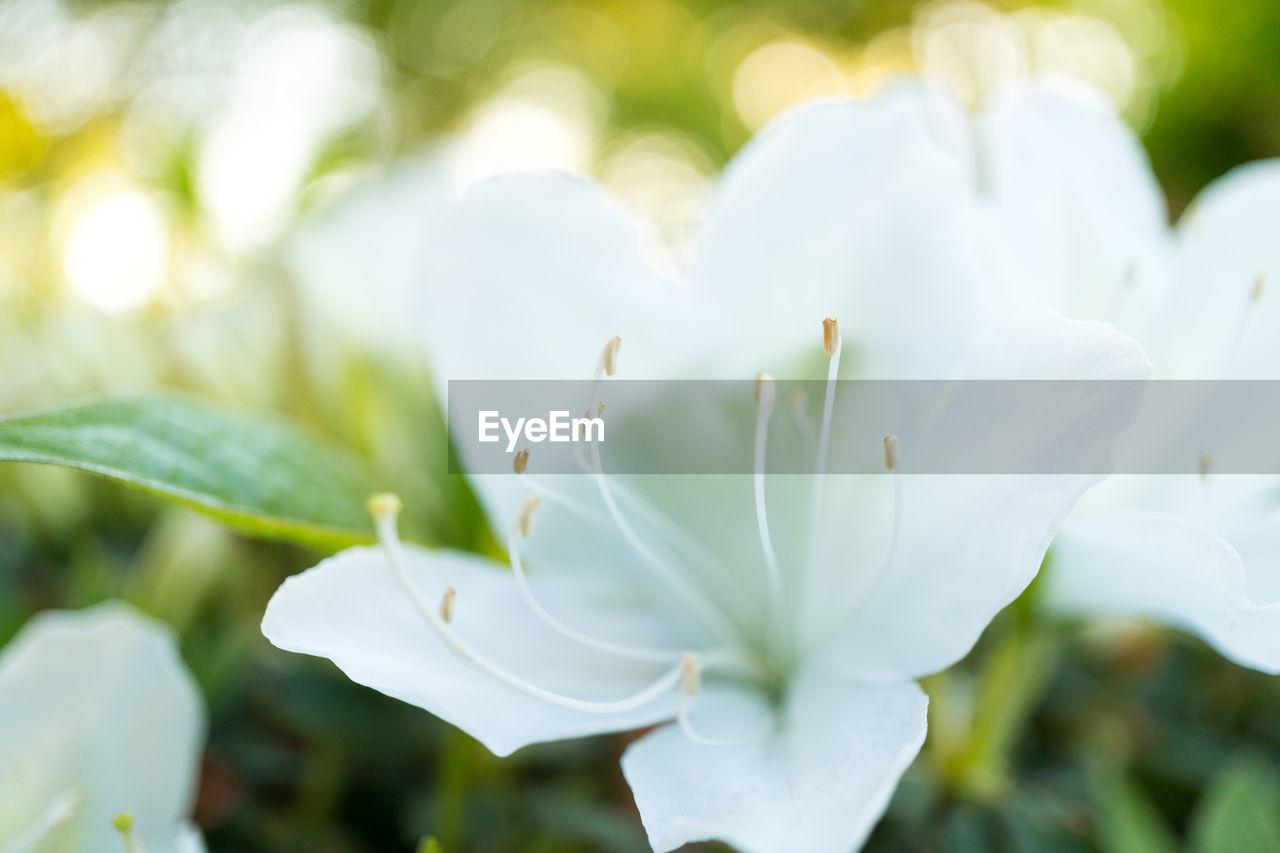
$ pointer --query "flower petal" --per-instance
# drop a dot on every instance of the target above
(98, 707)
(968, 545)
(850, 209)
(818, 783)
(539, 271)
(1142, 564)
(523, 276)
(350, 609)
(1077, 202)
(1227, 304)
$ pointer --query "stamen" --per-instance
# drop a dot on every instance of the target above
(766, 392)
(685, 546)
(690, 674)
(892, 452)
(830, 335)
(687, 594)
(800, 415)
(59, 810)
(609, 358)
(832, 345)
(385, 524)
(524, 521)
(1242, 329)
(521, 461)
(1131, 274)
(446, 604)
(691, 683)
(891, 446)
(522, 583)
(123, 824)
(1206, 461)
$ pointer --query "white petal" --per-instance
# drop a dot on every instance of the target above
(860, 210)
(818, 784)
(1227, 305)
(535, 275)
(970, 544)
(523, 276)
(98, 703)
(351, 610)
(1080, 208)
(1138, 564)
(362, 262)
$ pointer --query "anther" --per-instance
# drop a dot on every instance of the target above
(524, 522)
(690, 674)
(1258, 284)
(433, 614)
(382, 504)
(521, 461)
(1131, 273)
(891, 446)
(766, 393)
(600, 408)
(610, 356)
(446, 604)
(123, 824)
(1206, 461)
(830, 335)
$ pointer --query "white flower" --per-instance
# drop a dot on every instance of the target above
(779, 621)
(1071, 192)
(101, 730)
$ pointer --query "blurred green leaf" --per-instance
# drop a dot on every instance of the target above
(1128, 821)
(261, 477)
(1240, 810)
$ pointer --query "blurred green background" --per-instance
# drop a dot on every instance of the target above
(156, 156)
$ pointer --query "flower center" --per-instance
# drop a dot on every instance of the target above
(765, 663)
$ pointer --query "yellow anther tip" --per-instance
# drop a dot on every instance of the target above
(385, 503)
(123, 823)
(766, 392)
(610, 357)
(891, 446)
(690, 674)
(830, 335)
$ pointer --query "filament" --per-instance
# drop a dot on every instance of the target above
(622, 650)
(764, 407)
(686, 593)
(384, 513)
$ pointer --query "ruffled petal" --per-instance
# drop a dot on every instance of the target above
(351, 609)
(99, 717)
(1225, 312)
(859, 210)
(1162, 567)
(817, 783)
(1078, 205)
(968, 545)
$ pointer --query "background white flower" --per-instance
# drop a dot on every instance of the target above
(1074, 202)
(809, 607)
(98, 718)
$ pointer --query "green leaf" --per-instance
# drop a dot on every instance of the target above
(1128, 821)
(1240, 810)
(261, 477)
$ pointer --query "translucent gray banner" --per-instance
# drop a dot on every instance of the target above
(918, 427)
